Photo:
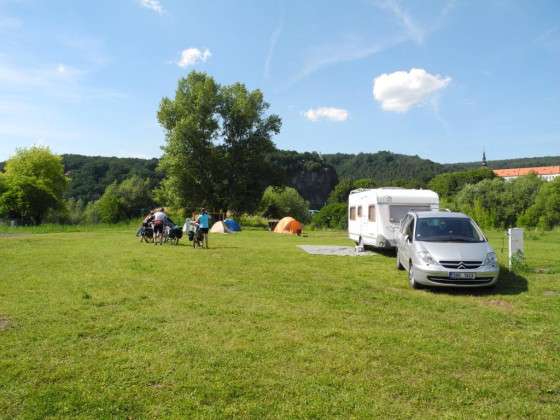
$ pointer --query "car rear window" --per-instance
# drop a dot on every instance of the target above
(447, 229)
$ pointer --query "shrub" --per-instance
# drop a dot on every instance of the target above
(255, 221)
(278, 202)
(498, 203)
(332, 216)
(545, 211)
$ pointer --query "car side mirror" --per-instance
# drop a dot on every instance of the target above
(406, 238)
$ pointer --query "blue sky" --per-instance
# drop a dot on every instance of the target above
(451, 77)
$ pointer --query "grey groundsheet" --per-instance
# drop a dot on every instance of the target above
(344, 251)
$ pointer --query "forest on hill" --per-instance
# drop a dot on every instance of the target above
(508, 163)
(312, 174)
(90, 175)
(384, 167)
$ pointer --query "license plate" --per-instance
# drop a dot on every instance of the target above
(467, 276)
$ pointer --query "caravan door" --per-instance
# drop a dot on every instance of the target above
(363, 220)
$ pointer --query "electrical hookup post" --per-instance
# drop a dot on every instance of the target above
(516, 249)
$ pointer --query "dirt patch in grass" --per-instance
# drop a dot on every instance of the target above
(497, 303)
(5, 323)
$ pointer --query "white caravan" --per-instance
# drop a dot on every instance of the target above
(374, 215)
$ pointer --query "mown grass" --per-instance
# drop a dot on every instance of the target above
(95, 324)
(56, 228)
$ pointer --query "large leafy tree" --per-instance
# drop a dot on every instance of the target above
(545, 211)
(33, 182)
(247, 144)
(217, 142)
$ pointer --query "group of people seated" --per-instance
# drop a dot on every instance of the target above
(155, 223)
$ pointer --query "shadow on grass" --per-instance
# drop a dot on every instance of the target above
(386, 252)
(509, 283)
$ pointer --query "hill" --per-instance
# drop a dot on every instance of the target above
(384, 166)
(312, 174)
(90, 175)
(508, 163)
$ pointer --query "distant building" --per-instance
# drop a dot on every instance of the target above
(484, 162)
(548, 173)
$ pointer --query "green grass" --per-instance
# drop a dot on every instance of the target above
(97, 325)
(55, 228)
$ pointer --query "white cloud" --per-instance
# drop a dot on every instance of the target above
(154, 5)
(326, 113)
(401, 90)
(192, 56)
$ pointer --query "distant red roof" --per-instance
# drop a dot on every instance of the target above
(539, 170)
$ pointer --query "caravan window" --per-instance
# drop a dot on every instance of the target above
(371, 213)
(359, 211)
(398, 212)
(352, 213)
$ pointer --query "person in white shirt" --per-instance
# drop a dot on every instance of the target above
(160, 219)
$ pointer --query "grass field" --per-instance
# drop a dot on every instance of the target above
(96, 325)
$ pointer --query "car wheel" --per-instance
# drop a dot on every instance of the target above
(399, 265)
(411, 278)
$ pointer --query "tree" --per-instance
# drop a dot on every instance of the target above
(449, 184)
(131, 198)
(109, 207)
(342, 190)
(135, 196)
(545, 211)
(247, 144)
(191, 162)
(278, 202)
(333, 216)
(33, 183)
(497, 203)
(218, 139)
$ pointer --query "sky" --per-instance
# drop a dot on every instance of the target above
(442, 79)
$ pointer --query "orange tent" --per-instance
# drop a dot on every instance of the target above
(289, 225)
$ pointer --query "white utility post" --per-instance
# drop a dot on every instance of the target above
(515, 239)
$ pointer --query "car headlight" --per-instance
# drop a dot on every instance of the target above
(426, 257)
(491, 259)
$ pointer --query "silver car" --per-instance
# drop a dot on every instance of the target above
(441, 248)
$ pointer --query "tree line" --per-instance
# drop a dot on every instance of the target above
(219, 153)
(493, 202)
(33, 183)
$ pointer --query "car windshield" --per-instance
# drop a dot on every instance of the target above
(447, 229)
(398, 212)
